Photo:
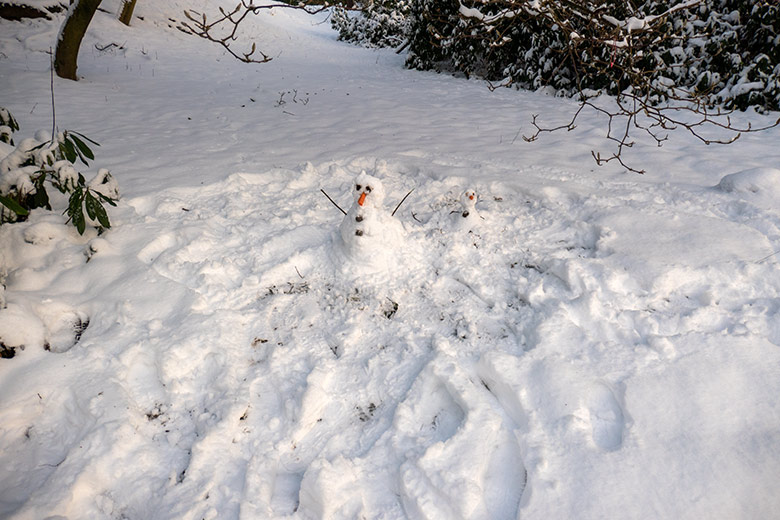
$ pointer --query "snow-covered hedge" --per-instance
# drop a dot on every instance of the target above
(384, 23)
(19, 9)
(724, 52)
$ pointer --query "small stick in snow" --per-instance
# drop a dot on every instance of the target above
(106, 47)
(768, 257)
(402, 201)
(334, 202)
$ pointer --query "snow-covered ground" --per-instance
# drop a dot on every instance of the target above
(587, 343)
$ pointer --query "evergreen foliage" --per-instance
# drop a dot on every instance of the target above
(382, 23)
(719, 52)
(27, 169)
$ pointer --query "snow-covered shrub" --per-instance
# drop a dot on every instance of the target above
(718, 52)
(8, 126)
(382, 23)
(27, 169)
(725, 51)
(20, 9)
(433, 42)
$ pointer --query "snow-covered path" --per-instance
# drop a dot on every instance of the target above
(587, 345)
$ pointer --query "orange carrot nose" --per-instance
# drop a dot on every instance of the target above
(471, 197)
(362, 198)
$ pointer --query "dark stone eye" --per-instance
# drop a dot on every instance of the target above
(368, 189)
(358, 186)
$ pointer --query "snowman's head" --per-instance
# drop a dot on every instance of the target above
(469, 198)
(368, 191)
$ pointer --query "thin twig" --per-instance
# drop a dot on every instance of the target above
(402, 201)
(768, 257)
(223, 29)
(107, 46)
(620, 54)
(333, 201)
(53, 114)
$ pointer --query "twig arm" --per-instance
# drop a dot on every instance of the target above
(402, 201)
(333, 201)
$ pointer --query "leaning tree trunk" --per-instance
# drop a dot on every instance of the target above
(127, 11)
(71, 33)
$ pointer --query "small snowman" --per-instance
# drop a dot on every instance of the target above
(368, 233)
(466, 217)
(468, 202)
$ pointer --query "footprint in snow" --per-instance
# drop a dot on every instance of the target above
(430, 413)
(606, 417)
(506, 478)
(156, 247)
(65, 330)
(286, 493)
(474, 467)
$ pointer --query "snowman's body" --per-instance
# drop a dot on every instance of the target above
(369, 234)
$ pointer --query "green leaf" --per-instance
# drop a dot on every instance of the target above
(13, 206)
(39, 146)
(98, 210)
(106, 199)
(83, 149)
(84, 137)
(10, 122)
(71, 141)
(89, 203)
(75, 211)
(40, 199)
(102, 217)
(67, 149)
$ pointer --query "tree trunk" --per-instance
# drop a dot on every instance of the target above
(71, 33)
(127, 11)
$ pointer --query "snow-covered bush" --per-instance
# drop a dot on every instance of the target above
(8, 126)
(382, 23)
(20, 9)
(27, 169)
(717, 52)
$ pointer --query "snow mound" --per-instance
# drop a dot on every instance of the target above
(580, 343)
(490, 367)
(761, 181)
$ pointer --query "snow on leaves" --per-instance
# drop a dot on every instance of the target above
(26, 170)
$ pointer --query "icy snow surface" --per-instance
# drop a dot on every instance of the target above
(586, 343)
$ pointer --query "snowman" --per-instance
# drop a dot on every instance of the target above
(369, 234)
(468, 203)
(466, 216)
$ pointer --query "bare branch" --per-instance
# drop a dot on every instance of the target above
(618, 51)
(223, 29)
